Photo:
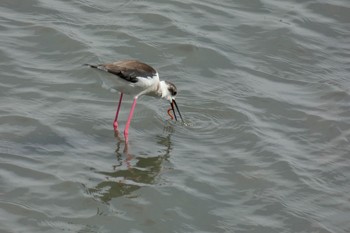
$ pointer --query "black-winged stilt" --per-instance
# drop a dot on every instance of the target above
(136, 78)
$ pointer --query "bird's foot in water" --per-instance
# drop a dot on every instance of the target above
(115, 126)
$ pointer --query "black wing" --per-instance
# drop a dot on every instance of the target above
(128, 70)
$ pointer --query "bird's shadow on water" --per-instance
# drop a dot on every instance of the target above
(131, 172)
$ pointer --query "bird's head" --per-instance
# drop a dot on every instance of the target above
(169, 92)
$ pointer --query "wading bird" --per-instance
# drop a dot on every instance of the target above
(136, 78)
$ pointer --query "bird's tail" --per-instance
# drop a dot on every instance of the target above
(99, 67)
(92, 66)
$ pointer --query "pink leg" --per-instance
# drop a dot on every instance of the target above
(115, 122)
(126, 130)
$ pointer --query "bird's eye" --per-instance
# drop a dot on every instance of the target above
(174, 93)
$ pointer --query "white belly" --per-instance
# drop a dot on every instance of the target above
(144, 85)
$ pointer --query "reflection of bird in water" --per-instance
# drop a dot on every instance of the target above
(131, 172)
(136, 78)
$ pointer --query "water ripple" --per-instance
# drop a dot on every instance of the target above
(263, 89)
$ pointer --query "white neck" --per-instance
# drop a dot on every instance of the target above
(162, 89)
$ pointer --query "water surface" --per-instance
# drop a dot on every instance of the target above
(263, 86)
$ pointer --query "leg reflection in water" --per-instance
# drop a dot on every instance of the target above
(132, 172)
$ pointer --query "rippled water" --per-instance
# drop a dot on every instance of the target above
(263, 85)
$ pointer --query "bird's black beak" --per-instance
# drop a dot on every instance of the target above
(173, 102)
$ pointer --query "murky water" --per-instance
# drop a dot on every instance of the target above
(263, 85)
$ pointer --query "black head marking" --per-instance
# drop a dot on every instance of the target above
(171, 88)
